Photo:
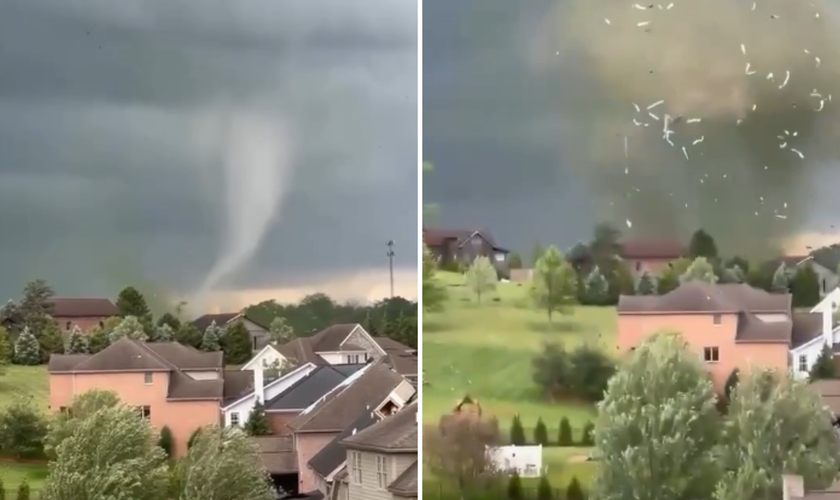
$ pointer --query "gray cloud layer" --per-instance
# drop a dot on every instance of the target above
(115, 126)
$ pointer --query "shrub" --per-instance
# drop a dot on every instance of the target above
(23, 430)
(541, 433)
(193, 437)
(588, 436)
(731, 383)
(517, 432)
(23, 490)
(564, 436)
(544, 491)
(515, 487)
(165, 440)
(574, 491)
(582, 372)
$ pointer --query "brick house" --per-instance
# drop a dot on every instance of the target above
(84, 313)
(454, 247)
(638, 255)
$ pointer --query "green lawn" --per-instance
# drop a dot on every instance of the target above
(14, 473)
(25, 381)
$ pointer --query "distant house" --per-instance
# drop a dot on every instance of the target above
(84, 313)
(826, 261)
(638, 255)
(341, 344)
(255, 326)
(729, 326)
(463, 246)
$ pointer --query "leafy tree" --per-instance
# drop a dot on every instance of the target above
(646, 285)
(517, 432)
(588, 435)
(554, 284)
(193, 438)
(169, 319)
(77, 342)
(50, 341)
(731, 383)
(760, 277)
(824, 367)
(541, 433)
(606, 242)
(590, 371)
(669, 280)
(700, 270)
(35, 305)
(781, 280)
(236, 343)
(27, 350)
(165, 440)
(481, 277)
(564, 435)
(222, 463)
(551, 369)
(544, 491)
(514, 260)
(130, 327)
(280, 331)
(130, 302)
(164, 333)
(596, 288)
(64, 424)
(775, 427)
(739, 262)
(257, 424)
(661, 386)
(97, 339)
(12, 315)
(805, 287)
(574, 491)
(702, 245)
(111, 454)
(6, 349)
(210, 340)
(22, 429)
(621, 281)
(735, 274)
(514, 491)
(434, 294)
(455, 452)
(188, 334)
(23, 492)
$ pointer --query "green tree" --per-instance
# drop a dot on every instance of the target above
(541, 433)
(596, 288)
(702, 245)
(574, 491)
(544, 491)
(517, 432)
(760, 276)
(781, 279)
(165, 440)
(97, 339)
(188, 334)
(64, 424)
(130, 302)
(514, 490)
(564, 434)
(169, 319)
(22, 429)
(805, 287)
(590, 369)
(824, 367)
(130, 327)
(646, 285)
(236, 344)
(662, 386)
(164, 333)
(731, 383)
(280, 331)
(193, 438)
(514, 260)
(257, 424)
(481, 277)
(434, 294)
(222, 463)
(588, 435)
(210, 341)
(23, 492)
(77, 342)
(606, 243)
(735, 274)
(27, 350)
(621, 281)
(6, 349)
(554, 285)
(50, 341)
(35, 307)
(700, 270)
(111, 454)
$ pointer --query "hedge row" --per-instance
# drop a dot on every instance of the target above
(540, 436)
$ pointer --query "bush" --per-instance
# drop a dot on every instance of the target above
(564, 436)
(731, 383)
(165, 440)
(541, 433)
(544, 491)
(515, 487)
(583, 372)
(588, 436)
(574, 491)
(193, 437)
(23, 490)
(517, 432)
(22, 430)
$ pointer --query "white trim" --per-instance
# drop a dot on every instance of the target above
(231, 320)
(306, 366)
(811, 342)
(474, 233)
(331, 476)
(366, 334)
(832, 296)
(247, 366)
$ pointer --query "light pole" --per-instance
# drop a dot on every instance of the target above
(390, 255)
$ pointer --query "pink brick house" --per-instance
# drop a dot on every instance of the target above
(84, 313)
(169, 383)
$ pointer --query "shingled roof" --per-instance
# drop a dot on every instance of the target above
(363, 390)
(699, 297)
(641, 249)
(126, 355)
(333, 455)
(399, 357)
(310, 388)
(395, 434)
(61, 307)
(277, 454)
(406, 483)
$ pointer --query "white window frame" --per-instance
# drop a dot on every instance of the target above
(499, 256)
(711, 354)
(234, 419)
(356, 467)
(802, 363)
(148, 378)
(382, 472)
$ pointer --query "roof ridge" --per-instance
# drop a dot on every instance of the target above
(151, 351)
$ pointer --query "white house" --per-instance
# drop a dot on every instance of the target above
(804, 356)
(237, 412)
(525, 460)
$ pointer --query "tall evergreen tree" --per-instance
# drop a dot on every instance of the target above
(781, 279)
(805, 287)
(702, 245)
(130, 327)
(27, 350)
(596, 288)
(824, 367)
(236, 344)
(130, 302)
(646, 285)
(257, 423)
(77, 342)
(210, 341)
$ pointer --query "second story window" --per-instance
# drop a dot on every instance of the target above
(356, 467)
(67, 325)
(147, 378)
(711, 354)
(717, 319)
(382, 472)
(145, 411)
(803, 363)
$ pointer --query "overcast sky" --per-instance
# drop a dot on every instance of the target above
(142, 141)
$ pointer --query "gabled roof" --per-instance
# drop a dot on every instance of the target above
(433, 237)
(61, 307)
(807, 326)
(237, 384)
(331, 338)
(400, 357)
(698, 297)
(406, 483)
(202, 322)
(395, 434)
(828, 257)
(337, 409)
(333, 455)
(311, 388)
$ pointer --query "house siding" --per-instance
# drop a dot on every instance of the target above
(182, 417)
(308, 445)
(369, 489)
(265, 359)
(699, 331)
(279, 421)
(651, 266)
(828, 278)
(360, 338)
(84, 323)
(449, 252)
(259, 335)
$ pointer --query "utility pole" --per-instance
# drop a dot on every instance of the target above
(390, 255)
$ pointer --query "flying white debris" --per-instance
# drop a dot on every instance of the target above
(694, 120)
(787, 77)
(629, 223)
(698, 141)
(798, 153)
(657, 103)
(685, 153)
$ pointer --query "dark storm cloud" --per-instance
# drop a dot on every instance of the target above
(526, 105)
(115, 119)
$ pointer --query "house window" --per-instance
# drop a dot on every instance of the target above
(356, 467)
(234, 418)
(638, 265)
(147, 378)
(353, 359)
(500, 257)
(145, 411)
(711, 354)
(382, 471)
(67, 325)
(717, 318)
(254, 338)
(803, 363)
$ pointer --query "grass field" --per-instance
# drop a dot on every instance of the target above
(14, 473)
(25, 381)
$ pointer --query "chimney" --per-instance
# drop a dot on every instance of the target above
(259, 384)
(792, 487)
